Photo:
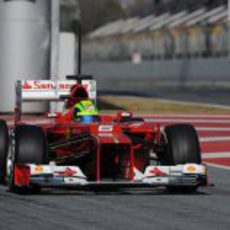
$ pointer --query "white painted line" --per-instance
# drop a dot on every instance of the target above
(208, 105)
(214, 139)
(212, 129)
(187, 115)
(215, 155)
(208, 129)
(188, 120)
(218, 166)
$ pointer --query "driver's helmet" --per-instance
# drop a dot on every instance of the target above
(77, 94)
(85, 111)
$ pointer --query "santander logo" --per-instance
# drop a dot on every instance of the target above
(155, 171)
(49, 85)
(26, 85)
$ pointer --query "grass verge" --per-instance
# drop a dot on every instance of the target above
(110, 104)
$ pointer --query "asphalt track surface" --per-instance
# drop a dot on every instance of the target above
(140, 209)
(209, 208)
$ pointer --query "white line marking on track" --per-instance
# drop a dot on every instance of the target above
(187, 115)
(208, 129)
(214, 139)
(188, 120)
(215, 155)
(212, 129)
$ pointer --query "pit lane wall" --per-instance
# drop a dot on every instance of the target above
(24, 47)
(195, 71)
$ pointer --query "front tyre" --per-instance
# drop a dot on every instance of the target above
(30, 147)
(181, 147)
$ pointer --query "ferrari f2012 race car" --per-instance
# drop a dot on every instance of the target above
(113, 151)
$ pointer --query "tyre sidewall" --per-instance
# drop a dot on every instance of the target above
(4, 145)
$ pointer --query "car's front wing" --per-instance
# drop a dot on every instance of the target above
(26, 175)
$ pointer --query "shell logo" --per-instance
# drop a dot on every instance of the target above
(191, 169)
(38, 169)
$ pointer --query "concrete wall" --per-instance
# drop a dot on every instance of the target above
(176, 71)
(24, 47)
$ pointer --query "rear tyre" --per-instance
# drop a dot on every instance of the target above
(4, 145)
(30, 147)
(181, 147)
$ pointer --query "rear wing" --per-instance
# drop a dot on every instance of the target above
(48, 90)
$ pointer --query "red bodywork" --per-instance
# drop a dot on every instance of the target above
(112, 142)
(109, 148)
(113, 150)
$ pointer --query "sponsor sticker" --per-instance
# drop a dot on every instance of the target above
(191, 169)
(38, 169)
(156, 180)
(76, 181)
(67, 172)
(156, 172)
(50, 85)
(105, 128)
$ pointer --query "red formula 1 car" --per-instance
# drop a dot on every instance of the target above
(114, 151)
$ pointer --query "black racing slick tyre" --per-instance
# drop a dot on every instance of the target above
(30, 147)
(181, 147)
(4, 145)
